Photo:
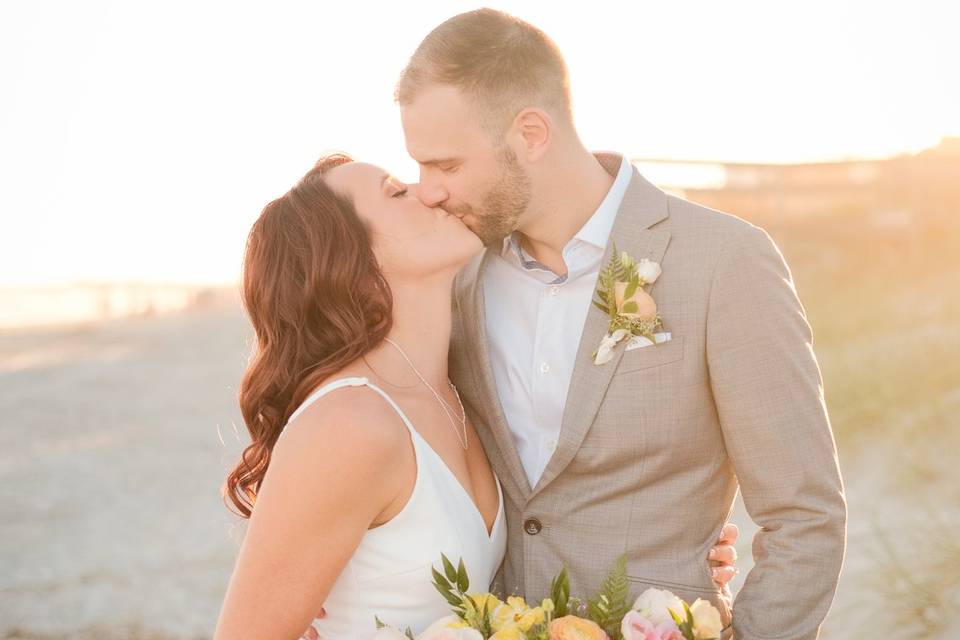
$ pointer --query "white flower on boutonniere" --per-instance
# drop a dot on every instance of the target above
(621, 296)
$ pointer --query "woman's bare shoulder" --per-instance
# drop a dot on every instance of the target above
(352, 421)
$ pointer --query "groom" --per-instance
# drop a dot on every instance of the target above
(642, 454)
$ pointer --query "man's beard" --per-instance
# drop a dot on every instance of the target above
(504, 204)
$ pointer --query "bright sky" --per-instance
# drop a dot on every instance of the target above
(138, 141)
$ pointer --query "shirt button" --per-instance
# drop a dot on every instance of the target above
(532, 526)
(544, 368)
(554, 290)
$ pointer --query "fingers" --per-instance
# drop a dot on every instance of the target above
(723, 555)
(723, 575)
(727, 595)
(729, 534)
(311, 633)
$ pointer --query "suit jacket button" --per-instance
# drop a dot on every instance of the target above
(532, 526)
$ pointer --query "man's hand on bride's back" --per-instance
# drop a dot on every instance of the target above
(723, 556)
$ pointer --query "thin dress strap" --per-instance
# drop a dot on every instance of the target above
(353, 382)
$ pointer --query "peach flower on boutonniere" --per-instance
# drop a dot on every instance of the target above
(621, 295)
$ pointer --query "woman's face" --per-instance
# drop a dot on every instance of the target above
(409, 238)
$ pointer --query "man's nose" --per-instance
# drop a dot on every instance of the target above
(431, 195)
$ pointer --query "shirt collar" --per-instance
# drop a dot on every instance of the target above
(596, 230)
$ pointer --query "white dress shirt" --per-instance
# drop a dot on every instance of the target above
(534, 320)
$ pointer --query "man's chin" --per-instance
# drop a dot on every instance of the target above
(475, 230)
(489, 237)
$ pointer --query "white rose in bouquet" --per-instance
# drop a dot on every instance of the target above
(655, 606)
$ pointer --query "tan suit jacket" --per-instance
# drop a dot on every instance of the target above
(653, 443)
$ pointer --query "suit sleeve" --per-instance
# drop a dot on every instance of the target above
(770, 400)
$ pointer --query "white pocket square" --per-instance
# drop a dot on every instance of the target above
(638, 342)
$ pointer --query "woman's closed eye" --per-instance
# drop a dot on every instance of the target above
(400, 193)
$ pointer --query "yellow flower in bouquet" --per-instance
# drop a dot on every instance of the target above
(515, 613)
(484, 602)
(510, 633)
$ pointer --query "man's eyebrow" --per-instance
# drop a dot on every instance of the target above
(439, 161)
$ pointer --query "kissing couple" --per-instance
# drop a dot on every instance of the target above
(532, 359)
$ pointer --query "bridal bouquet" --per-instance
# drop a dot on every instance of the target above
(655, 615)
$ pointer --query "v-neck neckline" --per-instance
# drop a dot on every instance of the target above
(466, 494)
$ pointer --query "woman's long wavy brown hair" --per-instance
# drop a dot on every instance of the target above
(317, 299)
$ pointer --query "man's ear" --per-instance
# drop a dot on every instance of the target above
(535, 128)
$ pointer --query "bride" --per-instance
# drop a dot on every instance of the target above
(363, 466)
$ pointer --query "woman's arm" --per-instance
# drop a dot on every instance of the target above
(333, 473)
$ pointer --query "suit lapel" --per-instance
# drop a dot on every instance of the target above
(643, 206)
(473, 315)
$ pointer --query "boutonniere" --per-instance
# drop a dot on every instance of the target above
(621, 296)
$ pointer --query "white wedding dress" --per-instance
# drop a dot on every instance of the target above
(389, 575)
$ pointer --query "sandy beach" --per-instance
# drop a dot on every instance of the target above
(115, 438)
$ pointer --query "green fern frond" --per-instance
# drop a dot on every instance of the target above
(610, 605)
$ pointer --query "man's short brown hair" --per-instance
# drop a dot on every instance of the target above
(501, 63)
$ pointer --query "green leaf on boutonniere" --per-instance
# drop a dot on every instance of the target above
(631, 307)
(631, 288)
(601, 306)
(380, 624)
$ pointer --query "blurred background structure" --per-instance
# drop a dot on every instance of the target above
(138, 142)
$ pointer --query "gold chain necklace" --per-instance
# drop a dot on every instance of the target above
(443, 403)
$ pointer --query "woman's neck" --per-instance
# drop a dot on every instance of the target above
(422, 318)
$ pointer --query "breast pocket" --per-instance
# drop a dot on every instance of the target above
(651, 356)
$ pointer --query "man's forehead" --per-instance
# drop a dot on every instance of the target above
(439, 113)
(436, 99)
(443, 142)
